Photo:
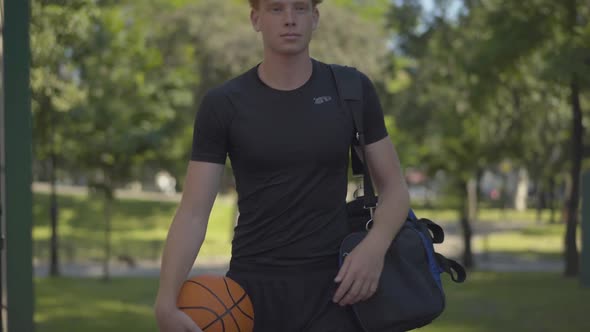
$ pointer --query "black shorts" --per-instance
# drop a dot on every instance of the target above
(294, 300)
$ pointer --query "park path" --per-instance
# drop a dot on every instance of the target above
(452, 248)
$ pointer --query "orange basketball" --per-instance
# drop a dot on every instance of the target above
(216, 304)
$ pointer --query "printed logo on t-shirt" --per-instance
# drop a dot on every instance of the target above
(321, 100)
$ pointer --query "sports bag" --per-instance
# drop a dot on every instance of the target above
(410, 292)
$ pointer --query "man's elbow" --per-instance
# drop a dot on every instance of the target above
(397, 193)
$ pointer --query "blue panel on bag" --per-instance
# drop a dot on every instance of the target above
(412, 215)
(435, 270)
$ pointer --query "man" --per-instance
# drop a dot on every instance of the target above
(288, 139)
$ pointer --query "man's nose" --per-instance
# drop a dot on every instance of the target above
(289, 17)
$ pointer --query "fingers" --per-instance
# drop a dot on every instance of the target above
(354, 288)
(361, 290)
(371, 289)
(343, 270)
(358, 278)
(354, 294)
(345, 283)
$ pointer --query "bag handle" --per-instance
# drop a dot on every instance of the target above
(454, 269)
(350, 93)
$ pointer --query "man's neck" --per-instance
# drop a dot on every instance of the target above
(285, 72)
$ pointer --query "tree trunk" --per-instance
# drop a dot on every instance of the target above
(466, 225)
(108, 203)
(521, 195)
(54, 264)
(541, 202)
(571, 251)
(480, 174)
(552, 199)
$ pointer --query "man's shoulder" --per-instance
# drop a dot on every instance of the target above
(365, 79)
(237, 84)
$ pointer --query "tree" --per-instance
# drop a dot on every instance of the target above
(557, 30)
(58, 29)
(127, 107)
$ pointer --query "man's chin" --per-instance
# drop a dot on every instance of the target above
(290, 51)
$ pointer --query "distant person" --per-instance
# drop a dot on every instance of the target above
(288, 138)
(166, 183)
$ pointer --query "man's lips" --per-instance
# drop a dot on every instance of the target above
(290, 35)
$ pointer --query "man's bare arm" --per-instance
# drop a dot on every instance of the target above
(360, 272)
(394, 199)
(188, 228)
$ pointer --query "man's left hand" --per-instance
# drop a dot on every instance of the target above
(360, 273)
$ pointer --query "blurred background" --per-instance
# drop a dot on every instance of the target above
(486, 102)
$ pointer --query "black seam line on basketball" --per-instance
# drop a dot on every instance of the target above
(219, 318)
(221, 302)
(233, 306)
(211, 311)
(210, 291)
(238, 301)
(223, 314)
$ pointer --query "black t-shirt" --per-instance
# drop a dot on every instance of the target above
(289, 153)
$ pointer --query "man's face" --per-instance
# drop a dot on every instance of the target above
(286, 25)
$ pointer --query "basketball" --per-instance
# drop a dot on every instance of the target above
(216, 304)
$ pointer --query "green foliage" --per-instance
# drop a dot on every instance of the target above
(59, 29)
(130, 75)
(491, 84)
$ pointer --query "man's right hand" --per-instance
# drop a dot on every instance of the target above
(174, 320)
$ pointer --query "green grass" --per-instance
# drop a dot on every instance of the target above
(487, 215)
(486, 302)
(515, 302)
(92, 305)
(535, 241)
(139, 227)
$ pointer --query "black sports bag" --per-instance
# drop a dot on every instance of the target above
(410, 293)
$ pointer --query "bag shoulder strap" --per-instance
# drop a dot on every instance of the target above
(350, 92)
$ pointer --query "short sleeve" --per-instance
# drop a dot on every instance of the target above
(210, 133)
(373, 120)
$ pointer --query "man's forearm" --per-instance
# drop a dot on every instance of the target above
(389, 216)
(180, 251)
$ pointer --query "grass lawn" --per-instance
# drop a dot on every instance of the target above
(486, 302)
(140, 228)
(532, 242)
(487, 215)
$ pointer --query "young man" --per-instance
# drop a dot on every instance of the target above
(288, 138)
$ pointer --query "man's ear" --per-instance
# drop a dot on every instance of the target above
(254, 19)
(316, 18)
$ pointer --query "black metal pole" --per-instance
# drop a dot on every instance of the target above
(2, 307)
(17, 207)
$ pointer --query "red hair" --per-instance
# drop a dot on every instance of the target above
(254, 3)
